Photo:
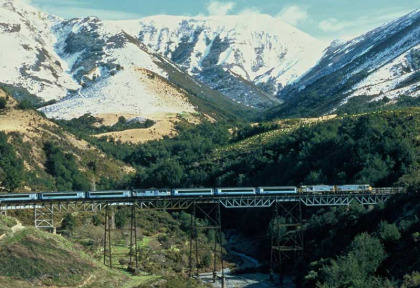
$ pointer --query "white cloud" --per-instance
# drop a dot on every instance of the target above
(71, 12)
(219, 8)
(250, 11)
(74, 8)
(293, 14)
(359, 25)
(333, 25)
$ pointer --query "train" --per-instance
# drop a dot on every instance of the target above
(185, 192)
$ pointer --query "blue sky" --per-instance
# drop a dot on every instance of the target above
(323, 19)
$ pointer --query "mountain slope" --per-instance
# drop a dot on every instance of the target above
(29, 134)
(34, 258)
(27, 56)
(382, 63)
(230, 52)
(89, 66)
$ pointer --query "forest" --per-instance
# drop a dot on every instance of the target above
(350, 246)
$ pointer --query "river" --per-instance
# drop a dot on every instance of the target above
(251, 280)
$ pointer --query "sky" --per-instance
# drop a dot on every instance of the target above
(323, 19)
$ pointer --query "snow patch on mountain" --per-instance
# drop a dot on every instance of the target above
(131, 91)
(258, 48)
(27, 56)
(387, 78)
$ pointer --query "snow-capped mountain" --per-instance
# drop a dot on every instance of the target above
(171, 64)
(90, 67)
(229, 52)
(116, 73)
(384, 62)
(27, 55)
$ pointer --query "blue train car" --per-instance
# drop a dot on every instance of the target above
(236, 191)
(62, 195)
(18, 197)
(193, 192)
(163, 192)
(108, 194)
(277, 190)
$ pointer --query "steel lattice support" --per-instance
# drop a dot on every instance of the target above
(133, 238)
(211, 213)
(107, 237)
(44, 217)
(286, 235)
(192, 232)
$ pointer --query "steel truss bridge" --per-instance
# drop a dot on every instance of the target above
(176, 203)
(283, 248)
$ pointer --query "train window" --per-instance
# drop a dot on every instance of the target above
(59, 194)
(106, 193)
(16, 196)
(237, 190)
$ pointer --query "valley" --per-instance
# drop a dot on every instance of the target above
(239, 100)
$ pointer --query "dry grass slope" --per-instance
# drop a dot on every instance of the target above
(28, 132)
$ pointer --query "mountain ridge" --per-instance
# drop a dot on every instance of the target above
(100, 66)
(217, 66)
(382, 63)
(216, 49)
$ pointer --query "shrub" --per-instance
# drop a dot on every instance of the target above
(25, 105)
(3, 103)
(411, 281)
(69, 223)
(388, 232)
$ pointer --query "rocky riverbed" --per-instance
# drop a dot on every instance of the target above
(244, 262)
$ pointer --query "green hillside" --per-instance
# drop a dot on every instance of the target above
(33, 258)
(378, 148)
(361, 248)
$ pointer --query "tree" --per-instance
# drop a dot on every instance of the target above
(121, 218)
(11, 167)
(122, 120)
(207, 259)
(412, 280)
(3, 103)
(69, 223)
(356, 268)
(388, 232)
(25, 105)
(63, 167)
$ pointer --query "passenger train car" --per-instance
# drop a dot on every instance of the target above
(236, 191)
(18, 197)
(185, 192)
(277, 190)
(61, 195)
(151, 192)
(108, 194)
(193, 192)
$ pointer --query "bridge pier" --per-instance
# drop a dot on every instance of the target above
(286, 236)
(44, 217)
(107, 236)
(212, 214)
(133, 239)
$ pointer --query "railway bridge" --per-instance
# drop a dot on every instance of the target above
(283, 247)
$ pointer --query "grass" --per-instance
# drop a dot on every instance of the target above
(6, 223)
(31, 254)
(266, 138)
(32, 257)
